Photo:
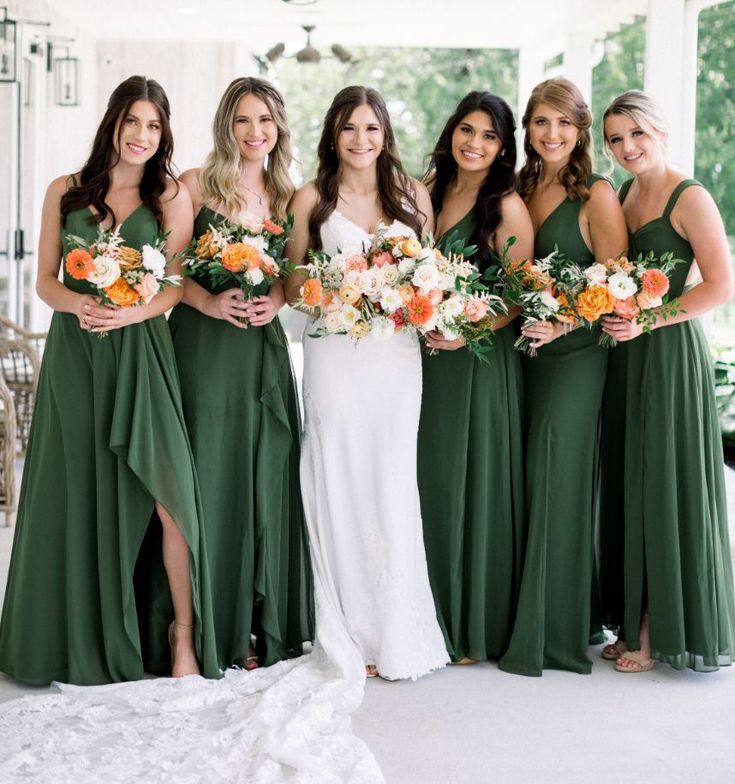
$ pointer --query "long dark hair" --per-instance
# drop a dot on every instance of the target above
(397, 200)
(565, 97)
(500, 179)
(93, 182)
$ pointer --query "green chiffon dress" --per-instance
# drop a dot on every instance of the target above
(243, 418)
(108, 438)
(470, 475)
(664, 508)
(563, 389)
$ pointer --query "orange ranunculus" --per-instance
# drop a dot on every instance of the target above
(312, 292)
(420, 309)
(79, 264)
(349, 294)
(241, 255)
(128, 258)
(655, 283)
(594, 302)
(626, 308)
(410, 248)
(121, 293)
(566, 313)
(205, 249)
(272, 228)
(521, 265)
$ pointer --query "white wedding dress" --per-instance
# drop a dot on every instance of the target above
(289, 722)
(362, 402)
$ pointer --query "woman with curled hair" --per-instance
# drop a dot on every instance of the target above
(362, 404)
(108, 455)
(577, 212)
(667, 572)
(239, 395)
(471, 411)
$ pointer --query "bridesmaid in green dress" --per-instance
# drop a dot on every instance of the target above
(240, 399)
(676, 573)
(470, 464)
(577, 212)
(108, 449)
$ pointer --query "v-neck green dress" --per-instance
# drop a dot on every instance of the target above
(242, 413)
(563, 388)
(470, 474)
(664, 534)
(108, 438)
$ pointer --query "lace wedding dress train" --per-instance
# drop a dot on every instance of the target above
(288, 722)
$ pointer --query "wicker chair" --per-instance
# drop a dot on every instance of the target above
(20, 365)
(9, 329)
(7, 453)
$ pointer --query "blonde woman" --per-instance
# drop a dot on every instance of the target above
(674, 600)
(240, 399)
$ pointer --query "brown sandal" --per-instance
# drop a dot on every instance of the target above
(642, 663)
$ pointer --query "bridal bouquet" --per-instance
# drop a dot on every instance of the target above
(123, 276)
(543, 288)
(245, 253)
(628, 289)
(399, 284)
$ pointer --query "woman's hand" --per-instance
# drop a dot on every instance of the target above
(262, 310)
(227, 306)
(542, 332)
(97, 317)
(621, 329)
(80, 310)
(436, 339)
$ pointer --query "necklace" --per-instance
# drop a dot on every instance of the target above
(258, 196)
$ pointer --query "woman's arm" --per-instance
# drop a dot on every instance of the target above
(605, 222)
(302, 204)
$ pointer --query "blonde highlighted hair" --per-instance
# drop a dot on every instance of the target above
(642, 110)
(565, 97)
(220, 174)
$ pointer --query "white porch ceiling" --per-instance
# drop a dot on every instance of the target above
(431, 23)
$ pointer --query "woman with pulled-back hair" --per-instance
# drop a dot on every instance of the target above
(470, 437)
(577, 212)
(108, 451)
(240, 399)
(362, 405)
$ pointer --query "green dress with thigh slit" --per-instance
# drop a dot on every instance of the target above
(243, 418)
(107, 439)
(563, 389)
(470, 473)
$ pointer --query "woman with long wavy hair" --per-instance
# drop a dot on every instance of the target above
(577, 212)
(108, 451)
(667, 571)
(240, 399)
(472, 411)
(362, 405)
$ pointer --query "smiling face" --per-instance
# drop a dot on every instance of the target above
(636, 149)
(552, 134)
(254, 128)
(138, 133)
(360, 140)
(475, 143)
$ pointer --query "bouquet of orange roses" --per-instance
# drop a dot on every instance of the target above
(542, 287)
(628, 289)
(246, 253)
(397, 284)
(122, 276)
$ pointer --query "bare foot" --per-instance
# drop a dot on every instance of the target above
(251, 663)
(183, 656)
(635, 661)
(371, 671)
(466, 660)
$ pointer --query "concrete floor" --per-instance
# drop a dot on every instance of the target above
(477, 725)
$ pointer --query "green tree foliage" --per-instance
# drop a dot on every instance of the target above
(421, 88)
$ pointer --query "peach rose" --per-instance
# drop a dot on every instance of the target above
(626, 308)
(655, 283)
(594, 302)
(356, 263)
(433, 295)
(646, 303)
(121, 293)
(239, 255)
(148, 287)
(381, 258)
(475, 309)
(406, 292)
(311, 291)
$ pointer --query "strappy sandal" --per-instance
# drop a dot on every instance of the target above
(371, 671)
(614, 650)
(642, 663)
(465, 660)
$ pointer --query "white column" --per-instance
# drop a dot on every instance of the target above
(530, 72)
(578, 62)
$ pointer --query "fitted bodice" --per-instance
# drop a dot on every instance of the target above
(339, 232)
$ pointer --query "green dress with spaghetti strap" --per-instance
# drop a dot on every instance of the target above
(108, 439)
(470, 475)
(563, 388)
(243, 417)
(664, 507)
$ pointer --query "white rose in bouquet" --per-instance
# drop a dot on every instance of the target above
(106, 272)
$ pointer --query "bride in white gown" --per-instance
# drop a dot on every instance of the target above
(362, 403)
(290, 722)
